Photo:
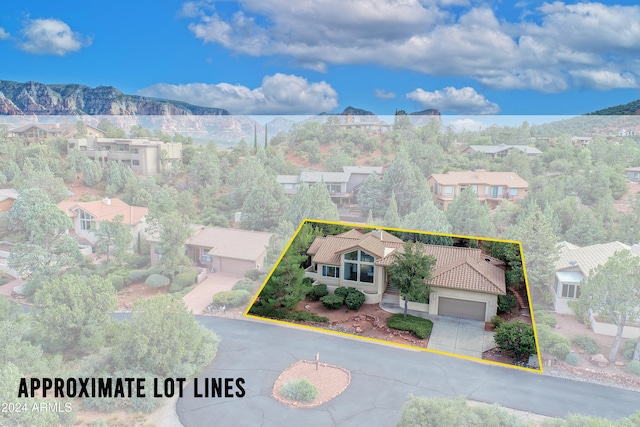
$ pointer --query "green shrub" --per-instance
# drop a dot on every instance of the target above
(183, 280)
(332, 302)
(299, 390)
(552, 343)
(139, 275)
(341, 291)
(270, 311)
(419, 326)
(572, 359)
(305, 316)
(354, 300)
(139, 261)
(586, 343)
(516, 337)
(317, 292)
(629, 348)
(634, 367)
(544, 318)
(157, 280)
(244, 285)
(497, 321)
(118, 281)
(506, 303)
(252, 274)
(231, 298)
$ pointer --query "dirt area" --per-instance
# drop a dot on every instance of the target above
(624, 204)
(81, 191)
(614, 374)
(329, 380)
(369, 321)
(127, 296)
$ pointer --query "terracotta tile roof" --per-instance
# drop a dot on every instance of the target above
(106, 210)
(457, 268)
(510, 179)
(587, 258)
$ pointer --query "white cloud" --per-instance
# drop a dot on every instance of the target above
(278, 94)
(467, 125)
(384, 94)
(451, 100)
(51, 37)
(552, 53)
(4, 35)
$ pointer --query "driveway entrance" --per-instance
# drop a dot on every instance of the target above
(460, 336)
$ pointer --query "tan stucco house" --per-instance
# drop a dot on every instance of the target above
(573, 266)
(223, 250)
(466, 282)
(490, 187)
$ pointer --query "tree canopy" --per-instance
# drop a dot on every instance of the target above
(410, 269)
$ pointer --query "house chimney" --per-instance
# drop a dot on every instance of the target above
(106, 201)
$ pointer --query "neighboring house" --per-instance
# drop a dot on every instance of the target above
(491, 187)
(225, 250)
(367, 123)
(342, 186)
(87, 216)
(7, 197)
(43, 131)
(581, 141)
(573, 266)
(493, 151)
(624, 132)
(144, 156)
(633, 174)
(466, 283)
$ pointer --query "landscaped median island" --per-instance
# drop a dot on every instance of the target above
(306, 384)
(397, 285)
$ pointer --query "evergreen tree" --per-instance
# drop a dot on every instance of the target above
(391, 217)
(469, 217)
(540, 250)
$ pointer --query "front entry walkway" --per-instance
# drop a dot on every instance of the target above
(200, 297)
(460, 336)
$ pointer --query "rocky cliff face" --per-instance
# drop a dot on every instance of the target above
(38, 98)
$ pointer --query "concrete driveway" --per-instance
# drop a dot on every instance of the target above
(460, 336)
(200, 297)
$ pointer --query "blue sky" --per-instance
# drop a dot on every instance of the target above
(273, 57)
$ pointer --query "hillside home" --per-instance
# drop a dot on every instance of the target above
(466, 282)
(633, 174)
(573, 266)
(223, 250)
(144, 156)
(493, 151)
(87, 217)
(490, 187)
(40, 132)
(342, 186)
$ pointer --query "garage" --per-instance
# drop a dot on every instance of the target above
(461, 308)
(232, 266)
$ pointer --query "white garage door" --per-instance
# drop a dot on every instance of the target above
(461, 308)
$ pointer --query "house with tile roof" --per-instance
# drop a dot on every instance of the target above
(491, 188)
(574, 264)
(466, 282)
(40, 132)
(87, 216)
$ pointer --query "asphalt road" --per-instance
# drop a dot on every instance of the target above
(382, 377)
